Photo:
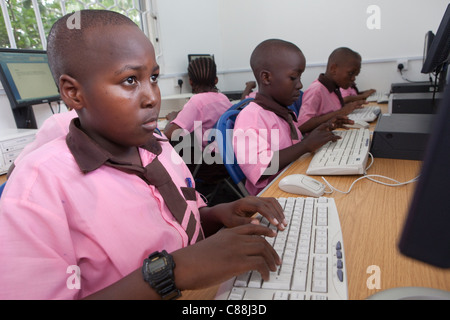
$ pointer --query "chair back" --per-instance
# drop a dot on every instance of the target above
(225, 126)
(297, 104)
(2, 186)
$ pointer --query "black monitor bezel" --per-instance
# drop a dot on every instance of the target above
(439, 51)
(9, 91)
(193, 56)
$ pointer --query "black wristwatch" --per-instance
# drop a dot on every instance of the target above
(158, 272)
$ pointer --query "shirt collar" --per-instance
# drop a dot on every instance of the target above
(332, 87)
(328, 83)
(89, 155)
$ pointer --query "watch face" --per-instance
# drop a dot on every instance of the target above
(157, 265)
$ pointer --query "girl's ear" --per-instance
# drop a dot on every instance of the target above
(333, 68)
(266, 77)
(70, 91)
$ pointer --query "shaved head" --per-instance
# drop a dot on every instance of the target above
(263, 56)
(67, 47)
(341, 56)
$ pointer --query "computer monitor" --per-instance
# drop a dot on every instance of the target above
(429, 36)
(426, 232)
(27, 80)
(196, 56)
(438, 53)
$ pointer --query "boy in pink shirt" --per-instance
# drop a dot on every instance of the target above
(80, 214)
(266, 137)
(323, 101)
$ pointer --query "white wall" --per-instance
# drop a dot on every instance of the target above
(230, 29)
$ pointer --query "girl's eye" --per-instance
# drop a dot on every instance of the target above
(130, 80)
(154, 78)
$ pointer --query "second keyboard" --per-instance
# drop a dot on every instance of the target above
(346, 156)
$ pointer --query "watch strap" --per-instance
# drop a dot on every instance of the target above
(162, 279)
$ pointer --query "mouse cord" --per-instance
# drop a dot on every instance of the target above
(371, 178)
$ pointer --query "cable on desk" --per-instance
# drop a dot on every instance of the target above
(371, 178)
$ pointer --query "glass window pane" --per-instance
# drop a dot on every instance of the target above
(23, 22)
(25, 27)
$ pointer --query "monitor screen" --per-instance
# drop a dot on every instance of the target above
(426, 233)
(196, 56)
(26, 77)
(439, 51)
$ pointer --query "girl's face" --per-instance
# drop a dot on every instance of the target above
(121, 95)
(345, 74)
(285, 77)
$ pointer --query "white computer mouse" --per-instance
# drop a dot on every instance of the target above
(358, 124)
(302, 184)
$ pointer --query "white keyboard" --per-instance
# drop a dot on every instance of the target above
(379, 97)
(312, 253)
(346, 156)
(368, 114)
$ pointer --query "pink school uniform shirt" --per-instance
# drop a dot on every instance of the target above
(54, 219)
(318, 100)
(257, 134)
(205, 108)
(351, 91)
(55, 126)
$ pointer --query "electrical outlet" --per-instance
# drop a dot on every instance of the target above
(404, 62)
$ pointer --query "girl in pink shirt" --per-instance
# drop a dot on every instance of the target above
(109, 211)
(206, 105)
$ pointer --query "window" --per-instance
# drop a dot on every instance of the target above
(25, 23)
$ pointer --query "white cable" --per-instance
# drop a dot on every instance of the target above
(370, 177)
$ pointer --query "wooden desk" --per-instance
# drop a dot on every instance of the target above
(372, 217)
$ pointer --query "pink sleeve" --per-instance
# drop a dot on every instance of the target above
(311, 102)
(54, 127)
(191, 112)
(35, 242)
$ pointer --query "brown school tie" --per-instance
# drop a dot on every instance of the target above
(155, 174)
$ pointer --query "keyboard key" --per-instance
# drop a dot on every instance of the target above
(340, 275)
(236, 294)
(242, 280)
(255, 280)
(299, 280)
(319, 285)
(281, 281)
